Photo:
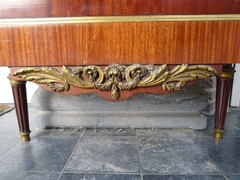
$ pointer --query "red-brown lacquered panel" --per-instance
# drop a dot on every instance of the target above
(24, 9)
(73, 8)
(176, 7)
(154, 7)
(123, 43)
(216, 7)
(55, 8)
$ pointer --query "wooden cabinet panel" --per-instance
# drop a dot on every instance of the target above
(123, 43)
(176, 7)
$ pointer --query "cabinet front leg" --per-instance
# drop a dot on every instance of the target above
(224, 83)
(20, 101)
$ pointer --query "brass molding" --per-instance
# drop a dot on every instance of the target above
(25, 137)
(16, 82)
(116, 77)
(120, 19)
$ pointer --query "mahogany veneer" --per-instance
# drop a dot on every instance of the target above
(106, 43)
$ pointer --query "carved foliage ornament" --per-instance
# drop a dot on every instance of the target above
(116, 77)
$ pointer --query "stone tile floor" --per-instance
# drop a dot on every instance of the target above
(119, 154)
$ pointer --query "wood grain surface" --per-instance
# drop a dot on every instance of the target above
(122, 43)
(73, 8)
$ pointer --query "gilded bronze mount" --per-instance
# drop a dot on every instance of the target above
(116, 77)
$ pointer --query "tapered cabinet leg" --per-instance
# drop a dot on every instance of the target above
(224, 83)
(20, 101)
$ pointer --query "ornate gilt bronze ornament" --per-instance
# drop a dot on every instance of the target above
(116, 77)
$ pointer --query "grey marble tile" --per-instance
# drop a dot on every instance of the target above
(72, 176)
(233, 177)
(46, 154)
(7, 144)
(110, 132)
(176, 156)
(230, 130)
(105, 154)
(224, 152)
(234, 117)
(9, 125)
(183, 177)
(27, 176)
(158, 132)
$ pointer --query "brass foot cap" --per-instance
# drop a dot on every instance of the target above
(218, 133)
(25, 137)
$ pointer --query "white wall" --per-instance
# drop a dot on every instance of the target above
(5, 87)
(235, 98)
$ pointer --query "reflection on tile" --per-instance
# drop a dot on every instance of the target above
(27, 176)
(71, 176)
(48, 154)
(105, 154)
(230, 130)
(174, 156)
(173, 132)
(9, 124)
(8, 143)
(233, 177)
(238, 126)
(225, 152)
(183, 177)
(110, 132)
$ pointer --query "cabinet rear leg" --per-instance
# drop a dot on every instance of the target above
(224, 83)
(20, 101)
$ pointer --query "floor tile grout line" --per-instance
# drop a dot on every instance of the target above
(10, 151)
(108, 136)
(236, 126)
(176, 175)
(40, 172)
(80, 138)
(185, 174)
(208, 155)
(104, 173)
(235, 174)
(225, 177)
(124, 173)
(139, 160)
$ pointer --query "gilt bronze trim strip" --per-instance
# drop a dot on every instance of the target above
(119, 19)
